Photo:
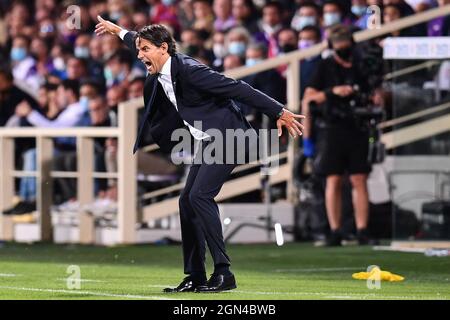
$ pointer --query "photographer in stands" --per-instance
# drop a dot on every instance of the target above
(342, 138)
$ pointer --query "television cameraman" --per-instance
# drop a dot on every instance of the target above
(341, 139)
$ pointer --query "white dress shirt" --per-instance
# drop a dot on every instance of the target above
(165, 79)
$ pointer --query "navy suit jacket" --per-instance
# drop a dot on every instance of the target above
(202, 95)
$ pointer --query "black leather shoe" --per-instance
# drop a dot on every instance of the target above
(334, 239)
(188, 284)
(218, 283)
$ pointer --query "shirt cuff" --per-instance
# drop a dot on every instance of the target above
(122, 33)
(33, 117)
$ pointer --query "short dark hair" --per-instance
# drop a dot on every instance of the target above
(94, 83)
(340, 32)
(49, 86)
(137, 79)
(23, 37)
(274, 4)
(336, 3)
(122, 56)
(395, 6)
(259, 46)
(313, 5)
(287, 29)
(83, 61)
(157, 34)
(72, 85)
(314, 29)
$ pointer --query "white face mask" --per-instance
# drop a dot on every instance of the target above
(219, 50)
(331, 18)
(59, 64)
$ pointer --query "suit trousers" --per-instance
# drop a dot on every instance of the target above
(199, 215)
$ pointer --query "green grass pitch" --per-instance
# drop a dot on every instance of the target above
(294, 271)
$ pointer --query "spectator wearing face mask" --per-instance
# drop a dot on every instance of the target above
(236, 41)
(308, 37)
(360, 13)
(219, 50)
(24, 65)
(110, 44)
(193, 45)
(60, 54)
(287, 42)
(270, 25)
(117, 68)
(82, 50)
(269, 81)
(307, 15)
(333, 14)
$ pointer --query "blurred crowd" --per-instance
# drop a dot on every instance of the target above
(54, 72)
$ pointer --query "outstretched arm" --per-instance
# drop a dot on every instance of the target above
(217, 84)
(104, 26)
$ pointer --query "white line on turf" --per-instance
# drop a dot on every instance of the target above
(327, 295)
(81, 280)
(93, 293)
(7, 275)
(320, 269)
(159, 285)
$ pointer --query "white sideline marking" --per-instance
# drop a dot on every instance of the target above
(8, 275)
(320, 269)
(158, 286)
(327, 295)
(100, 294)
(81, 280)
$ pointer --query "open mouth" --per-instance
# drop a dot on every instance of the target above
(148, 64)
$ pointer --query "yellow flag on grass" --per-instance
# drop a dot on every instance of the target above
(377, 274)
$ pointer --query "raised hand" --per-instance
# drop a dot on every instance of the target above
(23, 109)
(105, 26)
(289, 120)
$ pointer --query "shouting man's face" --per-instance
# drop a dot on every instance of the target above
(152, 56)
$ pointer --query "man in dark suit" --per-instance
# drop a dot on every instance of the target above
(178, 92)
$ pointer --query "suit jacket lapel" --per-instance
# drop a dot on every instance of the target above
(152, 86)
(174, 75)
(174, 70)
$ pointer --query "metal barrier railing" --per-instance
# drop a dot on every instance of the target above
(126, 183)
